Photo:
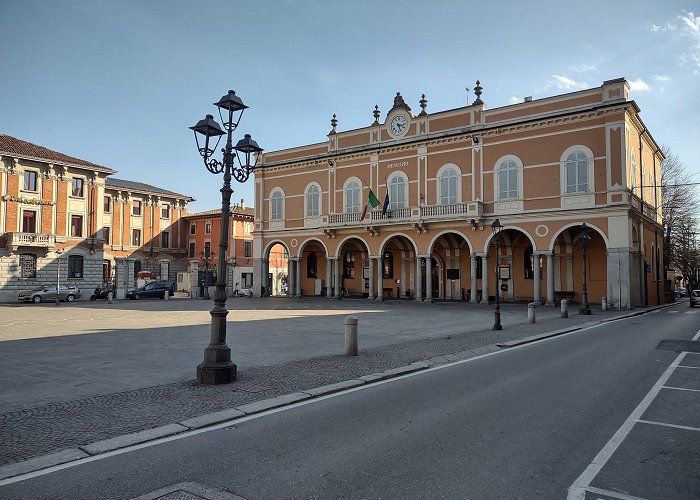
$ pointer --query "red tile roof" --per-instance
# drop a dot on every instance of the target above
(11, 146)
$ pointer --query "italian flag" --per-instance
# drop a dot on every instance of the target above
(372, 202)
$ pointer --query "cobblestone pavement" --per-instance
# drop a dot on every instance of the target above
(47, 428)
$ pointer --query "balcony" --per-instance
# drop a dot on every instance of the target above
(36, 240)
(470, 209)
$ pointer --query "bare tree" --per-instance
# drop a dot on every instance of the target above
(679, 205)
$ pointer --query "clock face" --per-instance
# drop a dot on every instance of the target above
(398, 125)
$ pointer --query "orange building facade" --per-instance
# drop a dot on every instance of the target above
(563, 175)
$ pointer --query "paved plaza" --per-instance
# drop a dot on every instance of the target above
(88, 372)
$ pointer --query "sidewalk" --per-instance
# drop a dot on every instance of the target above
(48, 434)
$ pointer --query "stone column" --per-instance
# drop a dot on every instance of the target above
(329, 277)
(298, 280)
(403, 275)
(370, 296)
(458, 281)
(419, 279)
(473, 284)
(485, 272)
(428, 279)
(569, 262)
(338, 279)
(557, 273)
(265, 275)
(292, 285)
(537, 278)
(380, 278)
(550, 279)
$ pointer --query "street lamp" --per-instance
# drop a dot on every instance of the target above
(496, 228)
(58, 276)
(206, 257)
(584, 238)
(217, 367)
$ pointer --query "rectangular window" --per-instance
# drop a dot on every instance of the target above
(77, 187)
(105, 234)
(30, 180)
(247, 249)
(135, 237)
(75, 266)
(28, 221)
(247, 279)
(165, 212)
(207, 249)
(193, 247)
(207, 227)
(76, 226)
(193, 228)
(165, 240)
(108, 204)
(27, 265)
(136, 207)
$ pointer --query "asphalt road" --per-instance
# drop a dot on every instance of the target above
(523, 423)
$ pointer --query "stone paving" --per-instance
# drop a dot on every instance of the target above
(315, 360)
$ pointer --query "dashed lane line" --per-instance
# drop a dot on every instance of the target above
(680, 388)
(664, 424)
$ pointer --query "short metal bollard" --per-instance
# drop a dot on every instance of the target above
(604, 304)
(110, 297)
(531, 312)
(351, 336)
(166, 295)
(565, 308)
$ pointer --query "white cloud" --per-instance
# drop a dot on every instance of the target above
(566, 83)
(655, 27)
(514, 100)
(638, 84)
(582, 68)
(691, 22)
(661, 78)
(685, 27)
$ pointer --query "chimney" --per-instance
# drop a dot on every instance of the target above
(528, 98)
(242, 203)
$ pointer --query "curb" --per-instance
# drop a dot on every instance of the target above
(7, 472)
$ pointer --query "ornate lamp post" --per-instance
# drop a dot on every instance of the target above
(584, 238)
(496, 228)
(206, 257)
(217, 367)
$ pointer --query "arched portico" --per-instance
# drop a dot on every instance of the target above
(451, 267)
(398, 271)
(275, 270)
(346, 277)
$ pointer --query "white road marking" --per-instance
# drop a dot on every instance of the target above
(680, 388)
(672, 312)
(691, 367)
(612, 494)
(664, 424)
(577, 491)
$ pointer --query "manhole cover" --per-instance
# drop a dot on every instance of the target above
(189, 491)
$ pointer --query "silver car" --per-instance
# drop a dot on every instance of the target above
(47, 293)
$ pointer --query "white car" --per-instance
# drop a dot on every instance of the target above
(694, 298)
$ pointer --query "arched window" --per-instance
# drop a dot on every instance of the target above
(311, 265)
(277, 205)
(349, 265)
(27, 265)
(507, 180)
(449, 186)
(313, 200)
(75, 266)
(398, 191)
(388, 265)
(576, 168)
(352, 197)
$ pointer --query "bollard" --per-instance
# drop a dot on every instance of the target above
(166, 295)
(565, 308)
(110, 297)
(351, 336)
(531, 312)
(604, 304)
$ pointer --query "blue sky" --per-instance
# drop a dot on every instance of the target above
(119, 82)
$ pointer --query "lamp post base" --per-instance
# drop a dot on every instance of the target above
(497, 321)
(585, 310)
(216, 373)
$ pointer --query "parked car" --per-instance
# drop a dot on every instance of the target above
(47, 293)
(152, 290)
(680, 292)
(694, 298)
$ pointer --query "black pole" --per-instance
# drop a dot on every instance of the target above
(584, 304)
(497, 312)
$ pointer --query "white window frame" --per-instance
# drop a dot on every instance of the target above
(441, 177)
(393, 187)
(498, 171)
(37, 181)
(589, 170)
(277, 196)
(352, 206)
(308, 201)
